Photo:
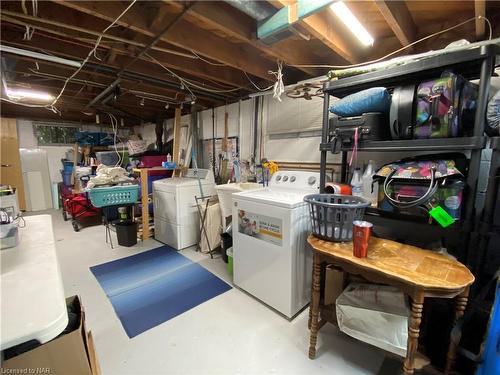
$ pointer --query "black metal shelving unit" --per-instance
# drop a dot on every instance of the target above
(472, 63)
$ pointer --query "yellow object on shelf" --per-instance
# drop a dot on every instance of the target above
(271, 166)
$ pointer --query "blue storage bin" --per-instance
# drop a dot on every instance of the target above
(66, 177)
(67, 165)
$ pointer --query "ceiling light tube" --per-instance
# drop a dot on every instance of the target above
(349, 19)
(19, 94)
(39, 56)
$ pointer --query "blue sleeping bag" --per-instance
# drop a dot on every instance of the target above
(375, 99)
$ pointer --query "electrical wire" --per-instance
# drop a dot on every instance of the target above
(257, 87)
(114, 126)
(182, 80)
(28, 34)
(398, 50)
(207, 61)
(92, 51)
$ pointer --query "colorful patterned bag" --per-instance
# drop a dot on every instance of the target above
(416, 186)
(445, 107)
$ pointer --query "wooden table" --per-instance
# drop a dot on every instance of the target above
(417, 272)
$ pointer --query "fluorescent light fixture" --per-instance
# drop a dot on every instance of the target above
(349, 19)
(39, 56)
(19, 94)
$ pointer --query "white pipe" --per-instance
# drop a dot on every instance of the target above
(40, 56)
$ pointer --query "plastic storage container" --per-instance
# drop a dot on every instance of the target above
(126, 232)
(110, 158)
(67, 165)
(226, 242)
(66, 177)
(229, 253)
(332, 215)
(9, 234)
(152, 161)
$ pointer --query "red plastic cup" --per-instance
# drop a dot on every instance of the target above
(361, 231)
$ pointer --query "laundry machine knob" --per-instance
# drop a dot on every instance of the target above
(293, 178)
(311, 180)
(285, 178)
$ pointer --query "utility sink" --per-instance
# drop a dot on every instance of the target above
(225, 191)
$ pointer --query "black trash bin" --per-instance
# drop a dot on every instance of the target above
(126, 232)
(226, 241)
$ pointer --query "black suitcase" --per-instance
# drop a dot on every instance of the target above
(402, 113)
(371, 126)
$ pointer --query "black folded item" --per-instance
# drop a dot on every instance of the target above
(371, 127)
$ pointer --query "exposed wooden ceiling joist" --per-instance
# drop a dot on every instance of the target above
(184, 35)
(399, 20)
(320, 28)
(226, 75)
(60, 47)
(240, 27)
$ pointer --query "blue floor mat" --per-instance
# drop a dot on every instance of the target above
(150, 288)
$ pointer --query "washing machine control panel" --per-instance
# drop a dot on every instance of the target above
(296, 180)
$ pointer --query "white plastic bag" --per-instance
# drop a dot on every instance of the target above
(375, 314)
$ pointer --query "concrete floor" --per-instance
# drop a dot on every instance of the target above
(231, 333)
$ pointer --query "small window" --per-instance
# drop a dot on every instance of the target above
(55, 135)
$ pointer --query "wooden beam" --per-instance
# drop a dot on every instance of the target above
(177, 135)
(320, 28)
(61, 47)
(50, 24)
(230, 21)
(480, 11)
(183, 35)
(399, 19)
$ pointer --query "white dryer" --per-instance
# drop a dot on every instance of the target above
(272, 260)
(176, 217)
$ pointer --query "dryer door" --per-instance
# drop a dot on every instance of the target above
(165, 206)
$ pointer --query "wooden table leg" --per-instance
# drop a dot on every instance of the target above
(314, 308)
(310, 304)
(460, 305)
(417, 305)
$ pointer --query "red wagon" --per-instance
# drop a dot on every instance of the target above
(78, 208)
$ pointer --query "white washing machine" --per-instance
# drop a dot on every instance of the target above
(272, 260)
(177, 223)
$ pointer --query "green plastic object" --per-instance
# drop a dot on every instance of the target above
(229, 253)
(439, 214)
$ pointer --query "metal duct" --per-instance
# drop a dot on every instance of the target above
(258, 10)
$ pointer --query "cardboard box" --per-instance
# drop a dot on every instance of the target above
(334, 284)
(71, 353)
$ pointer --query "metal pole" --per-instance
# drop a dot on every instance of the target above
(324, 140)
(213, 141)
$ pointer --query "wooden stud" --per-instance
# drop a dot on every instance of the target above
(480, 11)
(399, 19)
(177, 135)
